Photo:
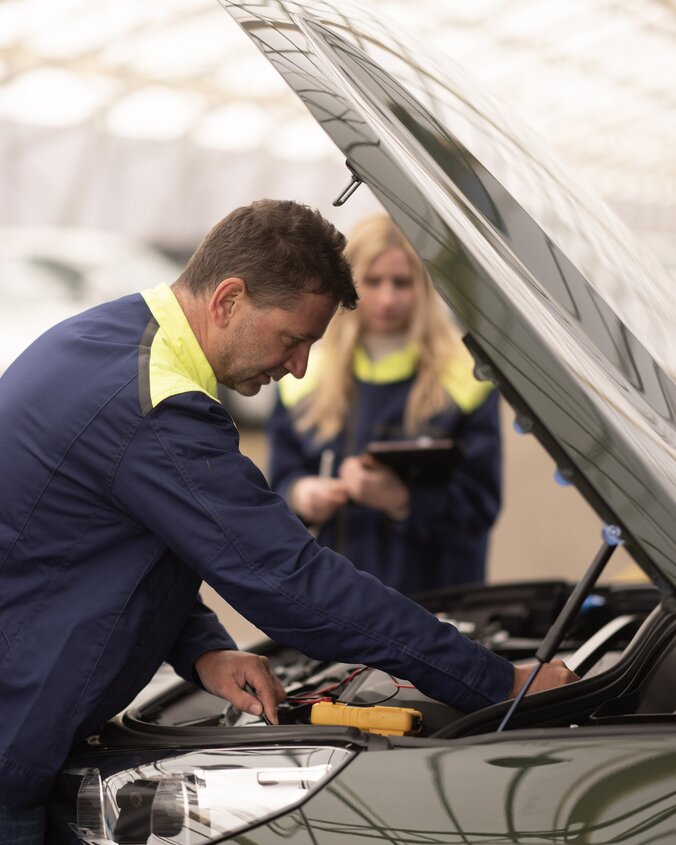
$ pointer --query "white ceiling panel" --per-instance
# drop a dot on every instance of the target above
(596, 78)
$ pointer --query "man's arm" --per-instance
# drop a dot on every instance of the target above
(184, 478)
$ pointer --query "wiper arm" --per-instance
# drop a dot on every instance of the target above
(612, 538)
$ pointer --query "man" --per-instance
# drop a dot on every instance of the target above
(123, 488)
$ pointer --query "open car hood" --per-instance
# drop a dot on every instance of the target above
(572, 322)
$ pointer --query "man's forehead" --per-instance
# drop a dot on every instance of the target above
(309, 314)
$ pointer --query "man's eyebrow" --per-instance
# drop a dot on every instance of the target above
(304, 337)
(311, 337)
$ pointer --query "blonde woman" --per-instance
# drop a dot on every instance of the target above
(394, 368)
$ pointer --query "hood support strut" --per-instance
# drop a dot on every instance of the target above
(346, 193)
(612, 538)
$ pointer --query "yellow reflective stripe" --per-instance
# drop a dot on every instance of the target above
(396, 366)
(292, 390)
(458, 379)
(177, 363)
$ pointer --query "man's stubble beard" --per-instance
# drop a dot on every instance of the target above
(245, 382)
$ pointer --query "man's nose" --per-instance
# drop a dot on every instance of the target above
(296, 364)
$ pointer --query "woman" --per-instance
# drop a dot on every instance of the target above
(392, 369)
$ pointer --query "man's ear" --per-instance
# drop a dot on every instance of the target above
(226, 299)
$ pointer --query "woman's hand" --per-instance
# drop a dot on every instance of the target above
(316, 499)
(375, 485)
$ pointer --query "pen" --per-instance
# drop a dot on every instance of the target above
(326, 463)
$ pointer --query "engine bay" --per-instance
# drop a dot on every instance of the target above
(610, 636)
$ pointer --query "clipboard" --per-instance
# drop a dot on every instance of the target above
(424, 459)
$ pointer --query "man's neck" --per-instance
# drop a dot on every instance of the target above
(194, 313)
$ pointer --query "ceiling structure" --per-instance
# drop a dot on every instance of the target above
(157, 118)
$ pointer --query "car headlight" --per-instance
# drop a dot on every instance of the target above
(197, 796)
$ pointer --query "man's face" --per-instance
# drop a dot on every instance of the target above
(262, 344)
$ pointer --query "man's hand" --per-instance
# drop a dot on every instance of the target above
(226, 673)
(316, 499)
(551, 675)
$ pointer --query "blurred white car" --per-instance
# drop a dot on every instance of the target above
(48, 274)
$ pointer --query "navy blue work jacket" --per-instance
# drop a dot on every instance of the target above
(122, 487)
(444, 540)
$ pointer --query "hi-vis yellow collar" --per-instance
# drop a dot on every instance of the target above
(171, 360)
(396, 366)
(458, 377)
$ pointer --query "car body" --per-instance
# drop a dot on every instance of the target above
(574, 325)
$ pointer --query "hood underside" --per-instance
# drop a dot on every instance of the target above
(572, 322)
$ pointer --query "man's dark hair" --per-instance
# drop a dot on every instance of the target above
(280, 248)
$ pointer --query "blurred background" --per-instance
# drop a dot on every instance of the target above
(128, 129)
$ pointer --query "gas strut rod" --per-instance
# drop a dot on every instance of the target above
(346, 193)
(612, 538)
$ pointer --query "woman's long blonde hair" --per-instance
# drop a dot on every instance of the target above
(325, 410)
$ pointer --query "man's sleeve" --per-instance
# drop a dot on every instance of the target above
(183, 478)
(202, 632)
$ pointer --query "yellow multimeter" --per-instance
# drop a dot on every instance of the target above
(386, 721)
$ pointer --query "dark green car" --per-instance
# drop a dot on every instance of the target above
(568, 321)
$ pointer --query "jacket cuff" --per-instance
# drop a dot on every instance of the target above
(193, 643)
